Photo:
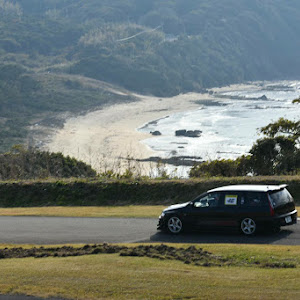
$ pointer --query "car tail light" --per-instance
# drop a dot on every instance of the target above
(271, 206)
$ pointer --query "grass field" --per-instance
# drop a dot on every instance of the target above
(131, 211)
(110, 276)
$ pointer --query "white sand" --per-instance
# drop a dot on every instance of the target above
(105, 137)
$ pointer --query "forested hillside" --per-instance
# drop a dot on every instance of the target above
(51, 50)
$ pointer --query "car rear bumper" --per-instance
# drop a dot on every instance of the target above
(287, 219)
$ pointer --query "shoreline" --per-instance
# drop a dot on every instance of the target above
(108, 139)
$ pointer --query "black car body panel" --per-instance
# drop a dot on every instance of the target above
(267, 206)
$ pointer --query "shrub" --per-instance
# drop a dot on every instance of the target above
(21, 163)
(224, 168)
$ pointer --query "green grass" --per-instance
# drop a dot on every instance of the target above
(131, 211)
(110, 276)
(252, 253)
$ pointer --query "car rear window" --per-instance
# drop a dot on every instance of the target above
(281, 197)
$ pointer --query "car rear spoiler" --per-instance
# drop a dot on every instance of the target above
(283, 186)
(280, 188)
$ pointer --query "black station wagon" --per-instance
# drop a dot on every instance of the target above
(247, 207)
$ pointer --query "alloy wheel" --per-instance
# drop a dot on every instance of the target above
(248, 226)
(175, 225)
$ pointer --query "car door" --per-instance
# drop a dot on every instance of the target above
(204, 211)
(255, 205)
(229, 209)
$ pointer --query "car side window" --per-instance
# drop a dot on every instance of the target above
(208, 200)
(255, 199)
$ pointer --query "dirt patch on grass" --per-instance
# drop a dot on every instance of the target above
(191, 255)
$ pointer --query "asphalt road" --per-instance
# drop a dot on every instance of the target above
(59, 230)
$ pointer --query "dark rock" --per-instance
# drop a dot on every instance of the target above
(193, 133)
(263, 97)
(188, 133)
(155, 132)
(181, 132)
(175, 160)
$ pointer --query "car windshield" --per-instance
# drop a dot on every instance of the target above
(280, 197)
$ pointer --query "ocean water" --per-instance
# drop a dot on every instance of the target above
(229, 123)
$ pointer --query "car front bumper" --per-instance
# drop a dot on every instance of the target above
(162, 223)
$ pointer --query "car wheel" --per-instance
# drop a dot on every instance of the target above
(248, 226)
(175, 225)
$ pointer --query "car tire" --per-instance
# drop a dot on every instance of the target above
(248, 226)
(175, 225)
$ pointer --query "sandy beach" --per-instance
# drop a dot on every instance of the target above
(106, 138)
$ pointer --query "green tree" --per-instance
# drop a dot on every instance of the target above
(283, 127)
(274, 156)
(278, 152)
(223, 168)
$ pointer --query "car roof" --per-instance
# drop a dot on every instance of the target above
(249, 188)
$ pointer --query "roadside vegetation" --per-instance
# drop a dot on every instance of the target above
(117, 192)
(144, 271)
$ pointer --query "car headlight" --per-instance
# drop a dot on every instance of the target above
(162, 215)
